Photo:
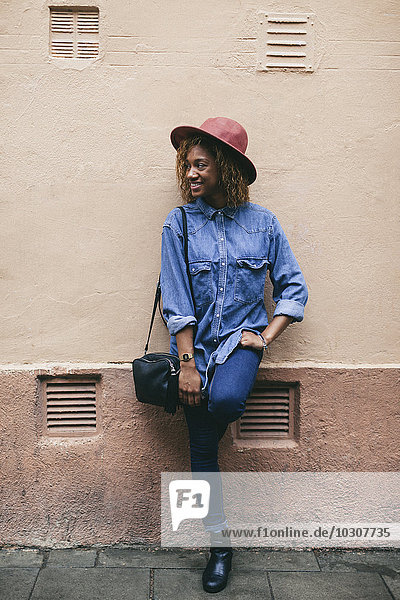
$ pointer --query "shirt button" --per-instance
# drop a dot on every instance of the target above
(215, 340)
(193, 269)
(223, 264)
(218, 315)
(221, 289)
(222, 239)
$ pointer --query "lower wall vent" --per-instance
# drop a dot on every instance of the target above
(269, 413)
(70, 405)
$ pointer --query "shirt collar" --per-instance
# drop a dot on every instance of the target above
(209, 211)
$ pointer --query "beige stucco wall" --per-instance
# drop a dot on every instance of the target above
(88, 170)
(87, 178)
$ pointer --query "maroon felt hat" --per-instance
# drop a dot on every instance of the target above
(227, 131)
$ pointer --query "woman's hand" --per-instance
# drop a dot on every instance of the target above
(251, 340)
(189, 384)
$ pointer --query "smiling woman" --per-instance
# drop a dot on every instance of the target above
(202, 175)
(231, 180)
(221, 332)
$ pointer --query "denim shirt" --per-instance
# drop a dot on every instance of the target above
(230, 251)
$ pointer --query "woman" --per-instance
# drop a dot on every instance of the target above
(221, 333)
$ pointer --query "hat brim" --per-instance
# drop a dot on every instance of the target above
(184, 131)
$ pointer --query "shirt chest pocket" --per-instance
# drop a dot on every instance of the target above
(200, 272)
(250, 279)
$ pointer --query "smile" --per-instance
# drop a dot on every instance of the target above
(195, 185)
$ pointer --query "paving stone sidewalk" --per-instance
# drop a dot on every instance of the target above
(139, 573)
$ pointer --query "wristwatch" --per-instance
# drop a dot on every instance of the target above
(186, 356)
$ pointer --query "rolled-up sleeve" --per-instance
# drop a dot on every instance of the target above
(290, 291)
(177, 300)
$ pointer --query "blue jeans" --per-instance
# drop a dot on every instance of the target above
(227, 394)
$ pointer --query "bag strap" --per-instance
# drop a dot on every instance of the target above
(185, 236)
(157, 297)
(156, 301)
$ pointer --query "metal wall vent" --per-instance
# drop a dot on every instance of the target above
(269, 414)
(70, 405)
(286, 41)
(74, 32)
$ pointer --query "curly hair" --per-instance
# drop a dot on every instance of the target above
(232, 177)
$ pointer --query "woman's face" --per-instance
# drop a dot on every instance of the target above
(202, 174)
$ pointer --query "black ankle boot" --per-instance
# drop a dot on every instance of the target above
(215, 576)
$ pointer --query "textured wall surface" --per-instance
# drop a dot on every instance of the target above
(87, 178)
(88, 170)
(105, 489)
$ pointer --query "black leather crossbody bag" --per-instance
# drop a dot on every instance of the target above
(156, 375)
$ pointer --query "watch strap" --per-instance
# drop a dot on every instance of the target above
(186, 356)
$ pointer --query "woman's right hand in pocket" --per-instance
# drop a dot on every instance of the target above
(189, 384)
